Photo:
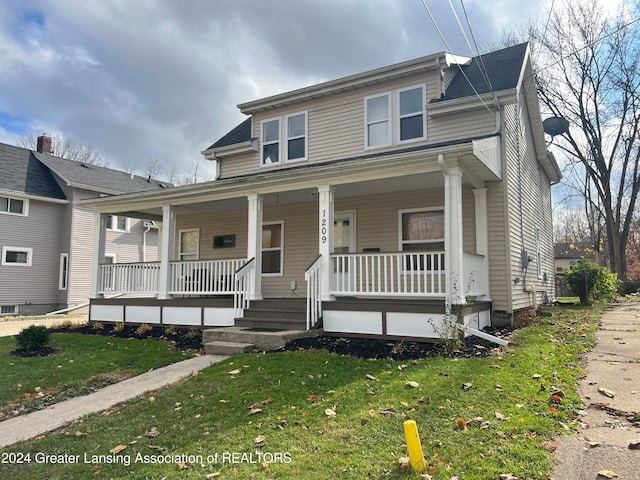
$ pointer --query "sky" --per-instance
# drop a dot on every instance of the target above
(161, 79)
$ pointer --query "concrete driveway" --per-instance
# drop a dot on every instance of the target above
(610, 391)
(13, 325)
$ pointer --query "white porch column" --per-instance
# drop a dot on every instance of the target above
(254, 245)
(325, 238)
(167, 242)
(100, 240)
(453, 239)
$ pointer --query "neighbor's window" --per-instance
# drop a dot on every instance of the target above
(378, 122)
(538, 253)
(17, 256)
(272, 243)
(13, 206)
(271, 141)
(64, 271)
(118, 223)
(297, 137)
(189, 244)
(8, 309)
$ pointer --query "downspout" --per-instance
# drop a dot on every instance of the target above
(144, 244)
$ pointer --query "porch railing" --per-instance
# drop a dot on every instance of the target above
(384, 274)
(241, 294)
(314, 302)
(123, 278)
(204, 277)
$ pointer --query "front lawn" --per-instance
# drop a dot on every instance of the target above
(316, 415)
(83, 364)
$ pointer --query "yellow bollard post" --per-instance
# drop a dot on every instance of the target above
(416, 457)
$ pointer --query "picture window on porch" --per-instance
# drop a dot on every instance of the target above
(189, 244)
(272, 253)
(117, 223)
(421, 230)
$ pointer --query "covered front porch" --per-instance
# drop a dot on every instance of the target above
(361, 248)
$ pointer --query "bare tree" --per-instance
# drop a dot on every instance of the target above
(153, 168)
(66, 147)
(589, 73)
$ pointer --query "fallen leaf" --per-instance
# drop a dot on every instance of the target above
(467, 386)
(153, 433)
(253, 411)
(500, 416)
(607, 474)
(213, 475)
(259, 440)
(235, 372)
(426, 476)
(158, 449)
(314, 398)
(329, 412)
(607, 393)
(507, 476)
(262, 403)
(536, 376)
(388, 411)
(152, 399)
(183, 466)
(84, 434)
(461, 423)
(402, 463)
(412, 384)
(371, 377)
(117, 449)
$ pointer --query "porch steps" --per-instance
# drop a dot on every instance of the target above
(275, 313)
(223, 340)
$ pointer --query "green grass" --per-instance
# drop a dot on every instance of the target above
(208, 415)
(85, 362)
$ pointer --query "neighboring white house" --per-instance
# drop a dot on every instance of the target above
(47, 238)
(378, 199)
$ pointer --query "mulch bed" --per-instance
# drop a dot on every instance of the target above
(42, 352)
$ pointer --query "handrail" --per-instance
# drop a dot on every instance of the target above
(313, 263)
(241, 294)
(313, 275)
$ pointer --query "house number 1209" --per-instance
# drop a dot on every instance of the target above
(323, 227)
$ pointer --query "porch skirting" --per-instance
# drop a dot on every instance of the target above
(188, 312)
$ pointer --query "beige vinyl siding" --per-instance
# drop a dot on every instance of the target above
(499, 270)
(36, 284)
(376, 227)
(529, 197)
(470, 124)
(335, 126)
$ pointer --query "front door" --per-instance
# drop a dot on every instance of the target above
(344, 241)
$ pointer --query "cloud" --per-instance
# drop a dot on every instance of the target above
(160, 78)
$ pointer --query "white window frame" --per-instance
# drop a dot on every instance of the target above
(283, 139)
(25, 206)
(112, 223)
(275, 249)
(367, 123)
(14, 309)
(398, 117)
(401, 241)
(394, 117)
(63, 276)
(28, 251)
(272, 142)
(538, 253)
(180, 252)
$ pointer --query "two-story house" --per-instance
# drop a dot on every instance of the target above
(47, 237)
(378, 201)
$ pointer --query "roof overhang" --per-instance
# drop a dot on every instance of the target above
(371, 77)
(229, 150)
(28, 196)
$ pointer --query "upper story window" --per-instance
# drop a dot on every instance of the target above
(118, 223)
(395, 117)
(284, 138)
(13, 206)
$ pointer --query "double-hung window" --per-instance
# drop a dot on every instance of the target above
(13, 206)
(17, 256)
(395, 117)
(117, 223)
(284, 138)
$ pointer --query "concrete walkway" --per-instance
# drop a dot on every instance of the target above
(613, 370)
(13, 325)
(36, 423)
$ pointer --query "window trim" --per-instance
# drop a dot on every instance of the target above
(274, 249)
(14, 307)
(538, 246)
(25, 206)
(180, 252)
(401, 242)
(283, 139)
(414, 114)
(394, 117)
(367, 123)
(111, 219)
(27, 250)
(63, 274)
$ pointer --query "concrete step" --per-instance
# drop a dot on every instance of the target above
(218, 347)
(259, 338)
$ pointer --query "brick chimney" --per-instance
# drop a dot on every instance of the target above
(44, 144)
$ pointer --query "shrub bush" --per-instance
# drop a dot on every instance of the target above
(592, 282)
(32, 338)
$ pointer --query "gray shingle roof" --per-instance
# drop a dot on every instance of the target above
(503, 69)
(99, 178)
(22, 172)
(239, 134)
